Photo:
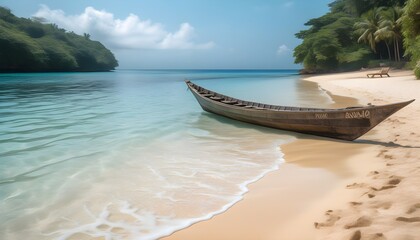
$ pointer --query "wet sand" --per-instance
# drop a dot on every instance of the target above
(330, 189)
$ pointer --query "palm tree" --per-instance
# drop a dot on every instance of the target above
(390, 28)
(368, 26)
(384, 34)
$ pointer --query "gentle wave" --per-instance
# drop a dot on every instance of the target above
(129, 154)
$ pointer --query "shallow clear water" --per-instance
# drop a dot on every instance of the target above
(130, 154)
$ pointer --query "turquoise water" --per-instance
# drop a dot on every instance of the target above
(130, 154)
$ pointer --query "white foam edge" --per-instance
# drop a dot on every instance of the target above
(326, 94)
(178, 224)
(244, 189)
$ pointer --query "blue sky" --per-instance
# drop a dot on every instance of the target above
(188, 34)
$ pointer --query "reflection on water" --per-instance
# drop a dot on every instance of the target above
(129, 154)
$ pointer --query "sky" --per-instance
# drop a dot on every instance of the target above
(184, 34)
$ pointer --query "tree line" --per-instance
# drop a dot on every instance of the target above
(362, 33)
(29, 45)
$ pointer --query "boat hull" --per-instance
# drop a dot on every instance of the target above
(346, 124)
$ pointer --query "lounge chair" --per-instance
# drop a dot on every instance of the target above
(384, 71)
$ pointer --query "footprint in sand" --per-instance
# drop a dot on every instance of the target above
(333, 217)
(363, 221)
(413, 208)
(373, 173)
(394, 120)
(375, 236)
(355, 185)
(383, 188)
(394, 180)
(356, 235)
(382, 152)
(383, 205)
(371, 195)
(408, 220)
(355, 203)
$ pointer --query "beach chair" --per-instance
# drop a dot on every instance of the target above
(384, 71)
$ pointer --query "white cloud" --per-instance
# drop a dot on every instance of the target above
(128, 33)
(282, 49)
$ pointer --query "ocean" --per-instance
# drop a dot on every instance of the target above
(130, 154)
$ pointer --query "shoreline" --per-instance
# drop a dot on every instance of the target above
(286, 203)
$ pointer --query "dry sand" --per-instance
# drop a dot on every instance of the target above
(329, 189)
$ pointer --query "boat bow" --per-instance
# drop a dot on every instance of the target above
(343, 123)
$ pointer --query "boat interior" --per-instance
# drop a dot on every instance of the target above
(253, 105)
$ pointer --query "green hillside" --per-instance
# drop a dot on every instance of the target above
(27, 45)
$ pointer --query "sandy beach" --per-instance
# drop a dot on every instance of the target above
(330, 189)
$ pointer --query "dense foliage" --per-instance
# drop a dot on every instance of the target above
(27, 45)
(411, 33)
(330, 44)
(360, 33)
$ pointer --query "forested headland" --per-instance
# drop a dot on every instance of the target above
(362, 33)
(29, 45)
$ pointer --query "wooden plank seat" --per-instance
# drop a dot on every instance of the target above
(240, 105)
(229, 101)
(253, 107)
(207, 95)
(216, 98)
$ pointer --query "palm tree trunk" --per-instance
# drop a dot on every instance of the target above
(389, 52)
(395, 51)
(398, 50)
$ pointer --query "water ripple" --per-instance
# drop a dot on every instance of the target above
(25, 175)
(133, 150)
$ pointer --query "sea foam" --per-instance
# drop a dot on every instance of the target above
(130, 154)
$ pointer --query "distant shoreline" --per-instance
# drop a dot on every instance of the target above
(157, 69)
(11, 72)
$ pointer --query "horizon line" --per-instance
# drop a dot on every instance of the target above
(244, 69)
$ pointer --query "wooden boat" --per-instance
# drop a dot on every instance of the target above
(344, 123)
